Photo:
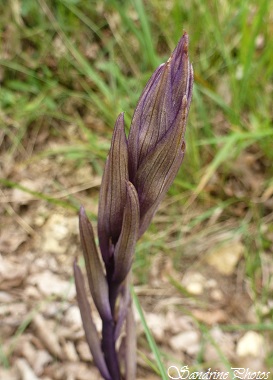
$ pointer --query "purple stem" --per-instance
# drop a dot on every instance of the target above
(109, 327)
(109, 349)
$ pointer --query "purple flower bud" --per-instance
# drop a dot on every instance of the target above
(90, 330)
(156, 140)
(137, 175)
(95, 274)
(125, 248)
(113, 192)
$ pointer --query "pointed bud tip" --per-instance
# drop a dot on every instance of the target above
(119, 129)
(82, 216)
(182, 48)
(82, 211)
(185, 43)
(120, 120)
(185, 36)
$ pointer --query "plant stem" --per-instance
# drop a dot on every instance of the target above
(109, 349)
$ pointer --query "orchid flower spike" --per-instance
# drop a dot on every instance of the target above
(138, 173)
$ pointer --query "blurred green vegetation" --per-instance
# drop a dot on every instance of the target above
(61, 60)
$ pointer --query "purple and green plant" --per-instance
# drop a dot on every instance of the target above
(138, 172)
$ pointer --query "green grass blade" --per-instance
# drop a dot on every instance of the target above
(223, 154)
(249, 327)
(248, 55)
(147, 35)
(149, 337)
(82, 63)
(3, 357)
(40, 195)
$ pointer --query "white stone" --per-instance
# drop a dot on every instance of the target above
(157, 325)
(187, 341)
(225, 258)
(250, 343)
(73, 316)
(50, 284)
(194, 282)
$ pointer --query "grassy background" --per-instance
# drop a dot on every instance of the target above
(80, 63)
